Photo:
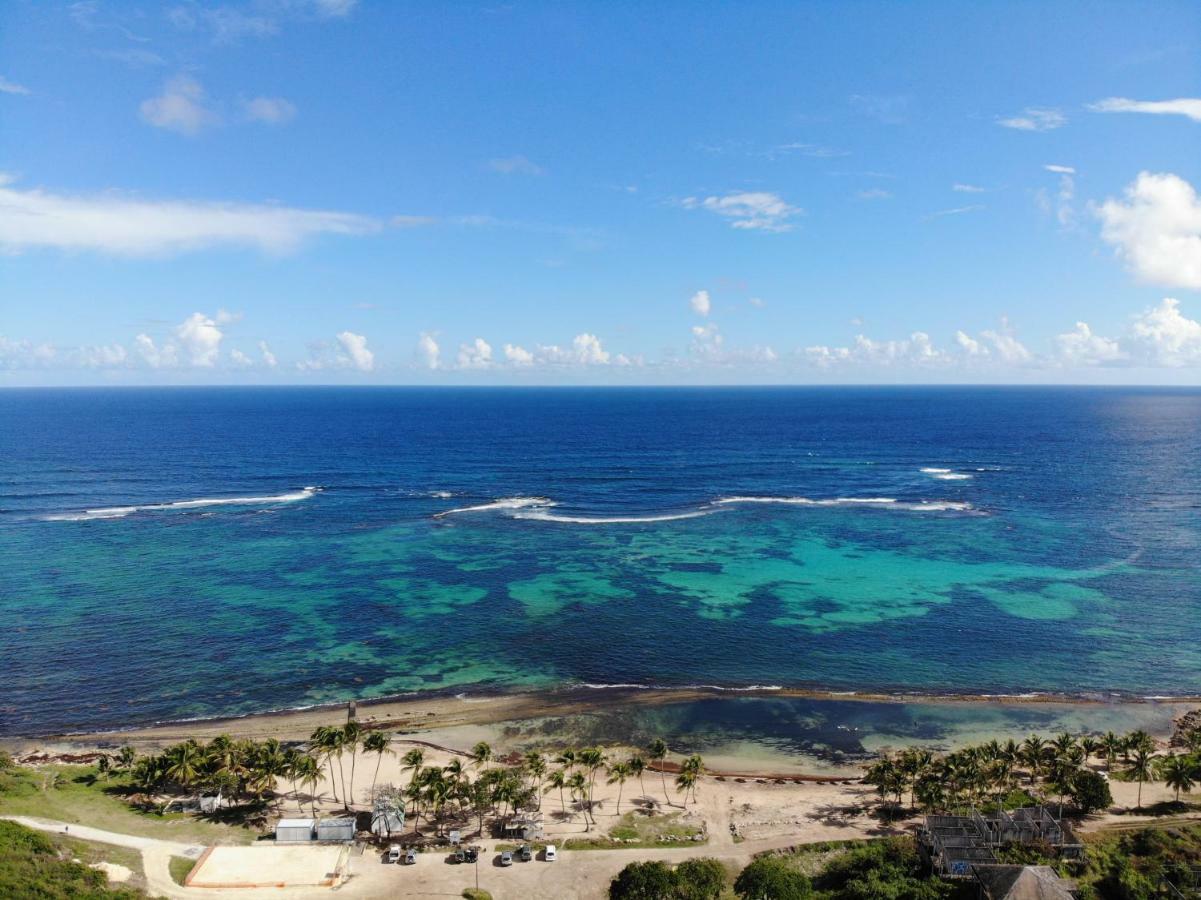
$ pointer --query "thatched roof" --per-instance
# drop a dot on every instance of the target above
(1023, 883)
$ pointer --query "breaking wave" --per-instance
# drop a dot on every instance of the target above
(880, 502)
(946, 474)
(542, 515)
(503, 503)
(118, 512)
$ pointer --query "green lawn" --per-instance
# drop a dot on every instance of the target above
(181, 867)
(72, 794)
(636, 829)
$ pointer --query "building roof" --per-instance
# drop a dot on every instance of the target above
(340, 822)
(295, 823)
(1023, 883)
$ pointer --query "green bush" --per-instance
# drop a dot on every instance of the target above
(30, 866)
(772, 878)
(700, 879)
(1089, 792)
(476, 894)
(881, 870)
(644, 881)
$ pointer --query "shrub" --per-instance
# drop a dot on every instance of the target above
(700, 879)
(476, 894)
(643, 881)
(772, 878)
(30, 866)
(1089, 792)
(881, 870)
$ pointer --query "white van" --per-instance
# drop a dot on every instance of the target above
(394, 853)
(550, 852)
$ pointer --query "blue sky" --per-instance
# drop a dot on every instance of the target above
(320, 191)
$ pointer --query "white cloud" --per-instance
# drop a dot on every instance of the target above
(515, 165)
(1034, 118)
(1061, 206)
(1081, 347)
(874, 194)
(916, 350)
(132, 227)
(476, 355)
(1157, 230)
(240, 359)
(100, 357)
(1184, 106)
(962, 188)
(1060, 170)
(700, 303)
(428, 350)
(11, 87)
(269, 359)
(180, 107)
(200, 339)
(970, 345)
(518, 356)
(756, 210)
(355, 347)
(955, 211)
(154, 356)
(1006, 346)
(585, 350)
(271, 110)
(1163, 336)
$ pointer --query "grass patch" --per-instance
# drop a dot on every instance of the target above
(476, 894)
(181, 867)
(34, 865)
(73, 794)
(637, 829)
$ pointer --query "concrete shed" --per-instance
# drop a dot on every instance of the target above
(294, 830)
(336, 829)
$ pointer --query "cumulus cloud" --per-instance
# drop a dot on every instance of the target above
(585, 350)
(270, 110)
(518, 356)
(1034, 118)
(917, 349)
(428, 350)
(124, 226)
(269, 359)
(514, 165)
(1190, 107)
(970, 345)
(200, 339)
(181, 107)
(1082, 347)
(11, 87)
(1006, 346)
(476, 355)
(1157, 229)
(1162, 335)
(355, 348)
(154, 356)
(23, 354)
(751, 210)
(240, 359)
(700, 303)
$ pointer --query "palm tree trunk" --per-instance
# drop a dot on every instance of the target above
(375, 777)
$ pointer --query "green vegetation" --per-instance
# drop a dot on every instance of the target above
(79, 794)
(695, 879)
(476, 894)
(1131, 865)
(32, 865)
(639, 829)
(181, 867)
(772, 878)
(1037, 770)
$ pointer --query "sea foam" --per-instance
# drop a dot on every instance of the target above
(118, 512)
(502, 503)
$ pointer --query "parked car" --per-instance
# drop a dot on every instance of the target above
(524, 853)
(410, 857)
(550, 853)
(394, 853)
(472, 853)
(506, 858)
(460, 855)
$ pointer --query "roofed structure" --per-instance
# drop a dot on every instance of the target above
(998, 882)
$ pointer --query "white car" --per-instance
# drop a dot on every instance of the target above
(550, 853)
(394, 853)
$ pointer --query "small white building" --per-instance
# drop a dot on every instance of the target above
(294, 830)
(342, 829)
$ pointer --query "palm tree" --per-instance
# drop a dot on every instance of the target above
(591, 758)
(184, 762)
(558, 780)
(413, 759)
(637, 766)
(126, 757)
(566, 759)
(308, 773)
(1178, 773)
(1111, 745)
(685, 782)
(618, 773)
(481, 754)
(324, 742)
(1090, 745)
(378, 743)
(694, 766)
(656, 752)
(535, 767)
(1032, 752)
(578, 785)
(352, 733)
(1142, 768)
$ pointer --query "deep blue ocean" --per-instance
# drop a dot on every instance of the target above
(171, 553)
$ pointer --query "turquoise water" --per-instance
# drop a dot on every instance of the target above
(168, 554)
